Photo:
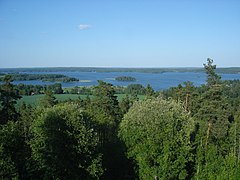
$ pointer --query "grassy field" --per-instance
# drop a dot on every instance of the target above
(35, 100)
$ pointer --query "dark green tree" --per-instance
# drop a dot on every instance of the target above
(214, 110)
(13, 152)
(104, 106)
(212, 77)
(26, 119)
(149, 91)
(138, 88)
(125, 104)
(55, 88)
(105, 111)
(212, 117)
(134, 96)
(64, 144)
(48, 100)
(8, 99)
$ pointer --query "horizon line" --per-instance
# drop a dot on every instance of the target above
(114, 67)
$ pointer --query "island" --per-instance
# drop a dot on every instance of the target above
(42, 77)
(125, 78)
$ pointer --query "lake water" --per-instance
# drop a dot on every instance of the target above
(157, 81)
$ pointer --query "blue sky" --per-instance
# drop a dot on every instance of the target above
(119, 33)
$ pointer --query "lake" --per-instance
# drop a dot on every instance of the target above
(158, 81)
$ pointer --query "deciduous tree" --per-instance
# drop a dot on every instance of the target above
(64, 144)
(157, 135)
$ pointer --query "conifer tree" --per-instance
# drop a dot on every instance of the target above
(212, 126)
(48, 99)
(105, 111)
(212, 77)
(149, 91)
(8, 99)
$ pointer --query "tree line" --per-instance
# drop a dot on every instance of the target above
(28, 90)
(185, 132)
(131, 89)
(42, 77)
(56, 88)
(229, 70)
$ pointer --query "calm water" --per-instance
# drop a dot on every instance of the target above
(157, 81)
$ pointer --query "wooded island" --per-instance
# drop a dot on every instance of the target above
(125, 78)
(42, 77)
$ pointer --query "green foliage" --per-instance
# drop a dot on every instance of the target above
(213, 115)
(8, 99)
(212, 77)
(35, 100)
(216, 135)
(48, 99)
(149, 91)
(213, 112)
(157, 135)
(55, 88)
(105, 111)
(216, 166)
(185, 93)
(125, 104)
(26, 119)
(42, 77)
(13, 152)
(134, 96)
(192, 134)
(8, 141)
(27, 89)
(230, 168)
(81, 90)
(104, 106)
(64, 144)
(135, 88)
(232, 93)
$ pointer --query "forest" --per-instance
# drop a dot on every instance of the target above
(42, 77)
(184, 132)
(29, 90)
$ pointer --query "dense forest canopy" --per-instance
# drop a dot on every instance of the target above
(184, 132)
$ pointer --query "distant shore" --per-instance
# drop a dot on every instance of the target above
(227, 70)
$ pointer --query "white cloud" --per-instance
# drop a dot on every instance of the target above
(83, 26)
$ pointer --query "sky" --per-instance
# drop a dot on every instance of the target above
(119, 33)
